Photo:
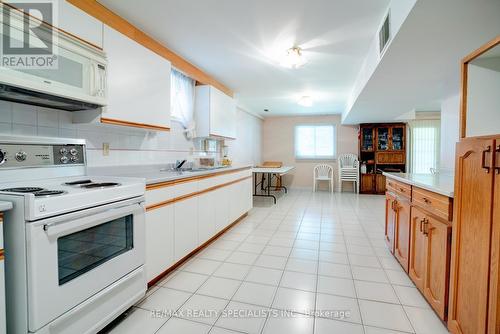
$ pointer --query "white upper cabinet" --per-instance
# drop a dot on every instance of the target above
(80, 24)
(138, 83)
(215, 113)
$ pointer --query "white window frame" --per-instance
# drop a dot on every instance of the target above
(316, 157)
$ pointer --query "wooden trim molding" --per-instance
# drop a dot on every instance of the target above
(192, 178)
(194, 252)
(197, 193)
(464, 71)
(133, 124)
(2, 254)
(100, 12)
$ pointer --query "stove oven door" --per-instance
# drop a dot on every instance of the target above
(75, 256)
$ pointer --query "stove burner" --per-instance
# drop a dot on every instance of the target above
(100, 185)
(23, 190)
(77, 183)
(49, 193)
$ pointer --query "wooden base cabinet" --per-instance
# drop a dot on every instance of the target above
(390, 220)
(421, 242)
(474, 266)
(402, 232)
(430, 258)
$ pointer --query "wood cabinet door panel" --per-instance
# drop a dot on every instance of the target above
(402, 233)
(437, 264)
(389, 221)
(416, 266)
(471, 237)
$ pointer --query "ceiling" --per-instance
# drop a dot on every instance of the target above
(238, 42)
(421, 67)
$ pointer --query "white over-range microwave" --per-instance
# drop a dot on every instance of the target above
(70, 76)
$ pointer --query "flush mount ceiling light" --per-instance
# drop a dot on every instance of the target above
(305, 101)
(293, 58)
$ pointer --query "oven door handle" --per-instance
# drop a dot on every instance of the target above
(61, 228)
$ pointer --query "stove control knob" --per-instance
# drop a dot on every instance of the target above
(21, 156)
(73, 151)
(64, 159)
(74, 159)
(3, 157)
(63, 151)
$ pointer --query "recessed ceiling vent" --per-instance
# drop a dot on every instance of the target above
(384, 33)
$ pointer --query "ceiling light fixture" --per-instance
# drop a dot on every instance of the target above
(293, 58)
(305, 101)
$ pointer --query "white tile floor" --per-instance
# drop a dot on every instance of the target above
(321, 255)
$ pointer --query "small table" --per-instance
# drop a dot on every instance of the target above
(269, 173)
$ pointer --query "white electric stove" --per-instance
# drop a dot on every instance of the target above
(74, 244)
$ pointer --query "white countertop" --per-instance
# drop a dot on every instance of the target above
(275, 170)
(439, 183)
(5, 206)
(152, 173)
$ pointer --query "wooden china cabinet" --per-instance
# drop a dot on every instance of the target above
(474, 306)
(382, 147)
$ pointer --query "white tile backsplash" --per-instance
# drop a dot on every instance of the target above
(128, 146)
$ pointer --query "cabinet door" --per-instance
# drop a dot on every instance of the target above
(185, 227)
(437, 264)
(234, 192)
(138, 83)
(390, 216)
(222, 114)
(367, 136)
(206, 216)
(159, 240)
(383, 138)
(416, 266)
(471, 237)
(247, 195)
(221, 208)
(398, 138)
(80, 24)
(402, 233)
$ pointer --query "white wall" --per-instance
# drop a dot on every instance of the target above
(278, 145)
(483, 101)
(450, 117)
(128, 146)
(247, 148)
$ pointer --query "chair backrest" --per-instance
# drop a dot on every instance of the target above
(347, 160)
(323, 170)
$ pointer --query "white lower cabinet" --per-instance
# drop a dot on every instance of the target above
(175, 230)
(159, 240)
(221, 208)
(206, 216)
(185, 227)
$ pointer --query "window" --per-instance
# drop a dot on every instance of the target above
(315, 142)
(425, 145)
(182, 101)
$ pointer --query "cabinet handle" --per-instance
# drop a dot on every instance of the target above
(402, 190)
(497, 160)
(426, 200)
(483, 160)
(421, 222)
(426, 224)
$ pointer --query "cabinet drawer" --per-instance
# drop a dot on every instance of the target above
(437, 204)
(399, 188)
(390, 157)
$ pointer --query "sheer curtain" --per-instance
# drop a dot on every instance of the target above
(182, 101)
(425, 145)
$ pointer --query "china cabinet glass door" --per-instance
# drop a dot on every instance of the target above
(383, 138)
(367, 139)
(398, 138)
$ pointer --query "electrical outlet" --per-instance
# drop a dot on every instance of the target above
(105, 149)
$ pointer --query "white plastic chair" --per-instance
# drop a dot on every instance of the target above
(323, 172)
(349, 170)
